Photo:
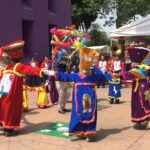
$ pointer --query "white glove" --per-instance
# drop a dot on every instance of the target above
(46, 83)
(49, 72)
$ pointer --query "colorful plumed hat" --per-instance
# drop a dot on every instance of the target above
(138, 54)
(115, 74)
(118, 52)
(13, 50)
(140, 72)
(60, 32)
(88, 57)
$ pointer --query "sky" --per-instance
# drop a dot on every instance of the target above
(112, 28)
(101, 21)
(107, 29)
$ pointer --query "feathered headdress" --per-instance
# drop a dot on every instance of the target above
(12, 50)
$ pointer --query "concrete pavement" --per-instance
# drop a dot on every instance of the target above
(114, 129)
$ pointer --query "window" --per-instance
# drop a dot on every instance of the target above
(51, 5)
(27, 3)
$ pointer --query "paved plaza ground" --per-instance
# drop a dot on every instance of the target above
(114, 129)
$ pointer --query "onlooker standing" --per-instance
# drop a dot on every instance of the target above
(61, 66)
(102, 64)
(103, 67)
(117, 65)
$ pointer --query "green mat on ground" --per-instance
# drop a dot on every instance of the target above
(57, 129)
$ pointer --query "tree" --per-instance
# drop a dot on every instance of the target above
(127, 10)
(86, 11)
(98, 37)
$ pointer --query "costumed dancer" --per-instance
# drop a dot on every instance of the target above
(12, 80)
(84, 102)
(114, 92)
(30, 82)
(42, 100)
(140, 99)
(61, 42)
(35, 84)
(50, 82)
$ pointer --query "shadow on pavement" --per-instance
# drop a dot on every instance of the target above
(30, 127)
(31, 113)
(102, 99)
(102, 107)
(122, 102)
(103, 133)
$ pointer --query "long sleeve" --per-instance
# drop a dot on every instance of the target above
(27, 69)
(108, 77)
(61, 44)
(66, 77)
(98, 76)
(1, 72)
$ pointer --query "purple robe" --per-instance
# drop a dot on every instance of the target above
(140, 107)
(52, 90)
(52, 87)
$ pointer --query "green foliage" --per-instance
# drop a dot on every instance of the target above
(128, 9)
(86, 11)
(98, 37)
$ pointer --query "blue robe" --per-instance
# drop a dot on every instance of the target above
(84, 103)
(114, 89)
(140, 106)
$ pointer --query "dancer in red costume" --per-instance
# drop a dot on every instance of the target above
(11, 86)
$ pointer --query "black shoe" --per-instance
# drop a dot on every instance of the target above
(25, 110)
(90, 139)
(111, 101)
(10, 133)
(76, 138)
(117, 101)
(61, 111)
(98, 86)
(141, 125)
(66, 110)
(1, 132)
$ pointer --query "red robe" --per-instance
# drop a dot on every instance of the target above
(11, 103)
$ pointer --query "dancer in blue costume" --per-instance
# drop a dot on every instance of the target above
(140, 98)
(114, 91)
(84, 102)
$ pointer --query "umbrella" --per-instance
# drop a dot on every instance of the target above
(138, 54)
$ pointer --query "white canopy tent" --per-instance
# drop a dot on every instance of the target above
(99, 47)
(103, 49)
(137, 28)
